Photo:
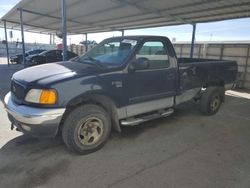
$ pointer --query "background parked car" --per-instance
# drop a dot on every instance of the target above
(18, 58)
(48, 57)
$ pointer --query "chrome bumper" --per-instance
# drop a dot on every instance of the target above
(37, 121)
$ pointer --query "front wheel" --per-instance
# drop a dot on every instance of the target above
(211, 100)
(86, 128)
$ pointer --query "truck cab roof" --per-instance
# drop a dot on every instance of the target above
(140, 37)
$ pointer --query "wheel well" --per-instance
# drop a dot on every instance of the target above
(209, 79)
(214, 82)
(97, 99)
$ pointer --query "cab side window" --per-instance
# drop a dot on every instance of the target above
(156, 53)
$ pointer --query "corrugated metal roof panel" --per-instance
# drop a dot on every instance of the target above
(86, 16)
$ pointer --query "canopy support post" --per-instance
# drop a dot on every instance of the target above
(50, 39)
(22, 35)
(53, 39)
(122, 33)
(6, 39)
(193, 39)
(86, 42)
(64, 29)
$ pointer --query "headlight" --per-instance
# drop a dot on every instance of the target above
(41, 96)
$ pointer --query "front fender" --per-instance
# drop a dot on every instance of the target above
(99, 98)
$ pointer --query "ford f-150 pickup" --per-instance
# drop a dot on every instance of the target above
(122, 81)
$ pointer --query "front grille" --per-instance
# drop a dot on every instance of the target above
(18, 90)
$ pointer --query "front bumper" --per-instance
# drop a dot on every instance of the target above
(40, 122)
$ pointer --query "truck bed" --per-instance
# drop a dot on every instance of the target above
(195, 72)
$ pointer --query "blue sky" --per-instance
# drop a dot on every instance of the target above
(230, 30)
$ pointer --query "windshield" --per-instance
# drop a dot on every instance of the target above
(111, 52)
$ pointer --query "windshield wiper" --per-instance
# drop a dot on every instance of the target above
(75, 58)
(93, 61)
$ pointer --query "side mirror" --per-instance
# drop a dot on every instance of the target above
(140, 64)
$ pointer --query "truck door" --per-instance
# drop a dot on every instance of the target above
(154, 87)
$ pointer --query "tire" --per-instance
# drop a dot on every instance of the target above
(19, 61)
(211, 100)
(86, 128)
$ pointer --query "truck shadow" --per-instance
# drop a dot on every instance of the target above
(36, 161)
(27, 145)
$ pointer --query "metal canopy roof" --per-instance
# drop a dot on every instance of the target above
(88, 16)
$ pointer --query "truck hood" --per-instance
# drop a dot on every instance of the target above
(52, 72)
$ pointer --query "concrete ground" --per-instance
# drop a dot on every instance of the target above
(186, 149)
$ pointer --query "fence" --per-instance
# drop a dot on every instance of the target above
(228, 51)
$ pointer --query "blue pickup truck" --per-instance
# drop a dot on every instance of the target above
(123, 81)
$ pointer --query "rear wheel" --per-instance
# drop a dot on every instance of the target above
(211, 100)
(86, 128)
